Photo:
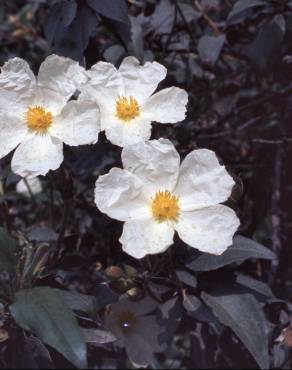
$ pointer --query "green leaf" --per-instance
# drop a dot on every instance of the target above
(80, 302)
(43, 312)
(244, 315)
(265, 50)
(112, 9)
(240, 8)
(8, 250)
(254, 285)
(191, 303)
(209, 48)
(98, 336)
(187, 278)
(241, 250)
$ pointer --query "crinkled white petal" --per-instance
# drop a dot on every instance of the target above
(104, 85)
(78, 123)
(167, 106)
(17, 83)
(34, 184)
(202, 180)
(155, 162)
(125, 133)
(37, 155)
(101, 73)
(140, 81)
(12, 132)
(208, 229)
(121, 195)
(142, 237)
(62, 75)
(50, 100)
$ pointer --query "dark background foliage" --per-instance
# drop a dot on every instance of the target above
(234, 58)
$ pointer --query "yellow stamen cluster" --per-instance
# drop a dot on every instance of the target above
(38, 119)
(165, 206)
(127, 108)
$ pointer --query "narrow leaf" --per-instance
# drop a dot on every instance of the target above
(43, 312)
(244, 315)
(191, 303)
(80, 302)
(8, 249)
(187, 278)
(242, 6)
(241, 250)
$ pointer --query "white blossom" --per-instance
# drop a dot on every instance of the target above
(155, 196)
(126, 100)
(36, 117)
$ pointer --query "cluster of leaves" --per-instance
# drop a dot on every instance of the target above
(63, 273)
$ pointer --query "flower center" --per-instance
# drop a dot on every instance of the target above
(127, 108)
(38, 119)
(165, 206)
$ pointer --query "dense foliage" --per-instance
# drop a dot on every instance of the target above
(67, 289)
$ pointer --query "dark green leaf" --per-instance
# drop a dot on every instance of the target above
(42, 234)
(244, 315)
(43, 312)
(241, 250)
(8, 250)
(187, 278)
(255, 285)
(166, 307)
(210, 47)
(191, 303)
(240, 8)
(60, 16)
(80, 302)
(72, 41)
(112, 9)
(265, 50)
(98, 336)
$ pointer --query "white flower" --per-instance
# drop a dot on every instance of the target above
(155, 196)
(127, 106)
(34, 185)
(35, 114)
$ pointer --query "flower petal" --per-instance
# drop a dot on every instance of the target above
(35, 186)
(123, 134)
(37, 155)
(17, 83)
(142, 237)
(155, 162)
(121, 196)
(105, 83)
(208, 229)
(62, 75)
(140, 81)
(102, 73)
(12, 132)
(167, 106)
(78, 123)
(202, 181)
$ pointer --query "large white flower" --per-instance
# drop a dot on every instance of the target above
(127, 106)
(35, 114)
(155, 196)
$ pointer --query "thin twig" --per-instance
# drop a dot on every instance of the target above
(31, 194)
(52, 201)
(232, 130)
(210, 22)
(65, 219)
(273, 142)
